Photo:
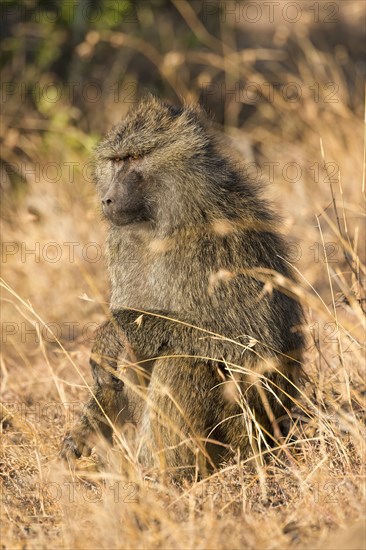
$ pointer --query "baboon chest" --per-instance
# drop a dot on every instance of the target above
(147, 279)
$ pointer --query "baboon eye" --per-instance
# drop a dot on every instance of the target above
(118, 159)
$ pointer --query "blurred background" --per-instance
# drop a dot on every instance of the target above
(282, 81)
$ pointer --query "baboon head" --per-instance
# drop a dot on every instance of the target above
(144, 163)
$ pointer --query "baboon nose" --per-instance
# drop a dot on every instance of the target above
(106, 201)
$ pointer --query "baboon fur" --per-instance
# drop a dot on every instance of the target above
(202, 352)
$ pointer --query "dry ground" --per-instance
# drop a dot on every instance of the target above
(295, 499)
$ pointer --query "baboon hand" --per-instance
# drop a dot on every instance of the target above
(74, 445)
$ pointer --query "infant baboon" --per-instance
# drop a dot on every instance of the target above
(204, 343)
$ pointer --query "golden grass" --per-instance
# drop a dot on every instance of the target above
(295, 499)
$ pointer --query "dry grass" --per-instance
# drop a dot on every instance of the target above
(292, 500)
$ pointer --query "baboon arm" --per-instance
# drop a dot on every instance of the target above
(156, 333)
(104, 354)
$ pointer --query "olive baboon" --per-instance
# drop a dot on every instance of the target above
(203, 321)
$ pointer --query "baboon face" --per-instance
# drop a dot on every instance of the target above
(124, 199)
(140, 160)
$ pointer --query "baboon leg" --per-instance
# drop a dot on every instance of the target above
(98, 417)
(109, 408)
(111, 402)
(180, 413)
(196, 418)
